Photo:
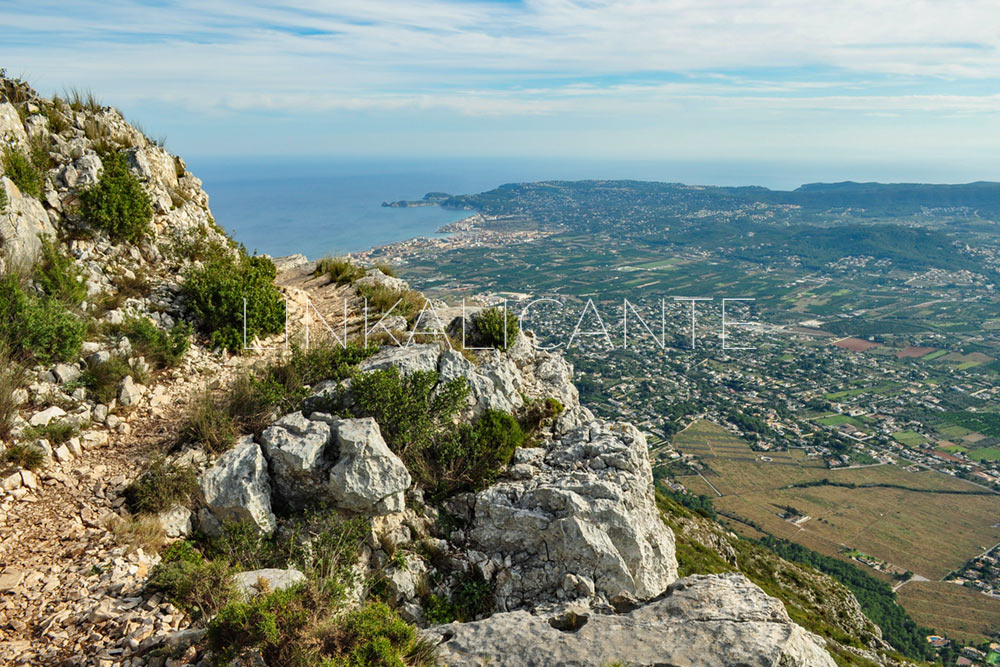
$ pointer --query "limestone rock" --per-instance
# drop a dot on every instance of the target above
(129, 392)
(11, 128)
(375, 277)
(700, 621)
(21, 223)
(269, 579)
(237, 488)
(176, 522)
(295, 447)
(47, 415)
(585, 509)
(407, 359)
(368, 477)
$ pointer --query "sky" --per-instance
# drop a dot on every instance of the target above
(905, 82)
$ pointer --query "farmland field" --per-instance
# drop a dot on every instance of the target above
(961, 612)
(909, 438)
(915, 528)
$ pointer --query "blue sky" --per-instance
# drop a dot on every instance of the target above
(891, 81)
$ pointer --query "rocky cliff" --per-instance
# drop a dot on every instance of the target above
(473, 497)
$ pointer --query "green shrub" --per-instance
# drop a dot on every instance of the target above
(376, 635)
(408, 410)
(37, 326)
(3, 201)
(216, 291)
(12, 377)
(101, 380)
(328, 362)
(382, 299)
(339, 270)
(160, 348)
(24, 456)
(496, 327)
(20, 168)
(417, 418)
(294, 627)
(194, 584)
(160, 487)
(56, 432)
(118, 203)
(58, 275)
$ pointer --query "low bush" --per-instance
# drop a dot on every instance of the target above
(382, 300)
(258, 396)
(216, 291)
(160, 487)
(160, 348)
(12, 377)
(35, 326)
(59, 276)
(417, 419)
(294, 627)
(538, 414)
(20, 168)
(56, 432)
(338, 270)
(198, 586)
(24, 456)
(497, 328)
(101, 380)
(3, 201)
(118, 203)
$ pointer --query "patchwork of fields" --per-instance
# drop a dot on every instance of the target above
(915, 528)
(963, 613)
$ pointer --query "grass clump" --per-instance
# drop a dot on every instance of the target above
(209, 424)
(26, 174)
(497, 328)
(3, 201)
(160, 487)
(35, 326)
(56, 432)
(382, 300)
(194, 584)
(417, 419)
(24, 456)
(216, 291)
(339, 270)
(256, 397)
(80, 100)
(101, 379)
(387, 269)
(59, 276)
(12, 377)
(163, 349)
(118, 203)
(293, 627)
(138, 532)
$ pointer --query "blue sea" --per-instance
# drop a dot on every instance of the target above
(321, 207)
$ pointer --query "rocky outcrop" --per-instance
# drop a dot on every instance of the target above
(344, 462)
(580, 521)
(699, 621)
(22, 222)
(368, 477)
(236, 489)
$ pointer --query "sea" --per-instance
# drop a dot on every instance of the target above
(331, 206)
